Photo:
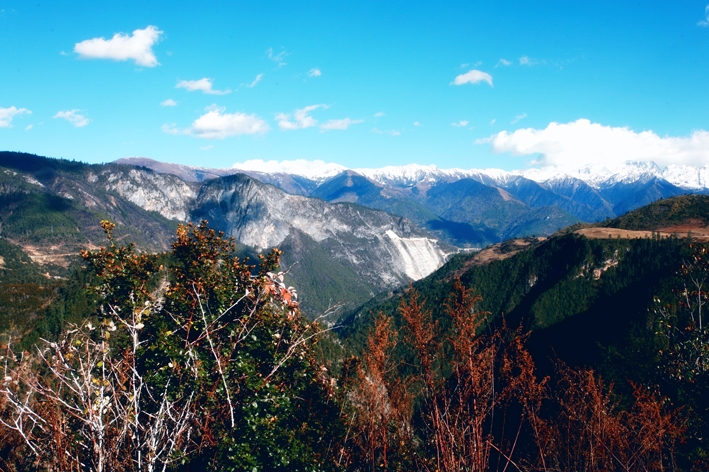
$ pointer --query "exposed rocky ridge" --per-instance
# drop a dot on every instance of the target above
(163, 193)
(384, 249)
(52, 208)
(591, 193)
(291, 183)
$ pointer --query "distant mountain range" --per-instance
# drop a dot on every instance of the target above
(338, 243)
(51, 208)
(474, 208)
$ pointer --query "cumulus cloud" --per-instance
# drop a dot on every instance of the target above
(705, 22)
(338, 124)
(73, 117)
(123, 47)
(316, 168)
(392, 132)
(473, 77)
(300, 120)
(169, 103)
(256, 80)
(581, 143)
(205, 85)
(460, 124)
(503, 62)
(216, 124)
(518, 117)
(7, 114)
(314, 72)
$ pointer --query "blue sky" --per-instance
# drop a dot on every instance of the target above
(362, 84)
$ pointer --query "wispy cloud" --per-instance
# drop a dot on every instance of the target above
(473, 77)
(460, 124)
(300, 120)
(493, 121)
(205, 85)
(314, 72)
(123, 47)
(7, 114)
(528, 61)
(705, 22)
(518, 117)
(379, 115)
(73, 117)
(169, 103)
(503, 62)
(392, 132)
(277, 57)
(338, 124)
(29, 127)
(581, 142)
(207, 147)
(216, 124)
(256, 80)
(416, 123)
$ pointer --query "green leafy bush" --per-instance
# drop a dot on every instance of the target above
(199, 364)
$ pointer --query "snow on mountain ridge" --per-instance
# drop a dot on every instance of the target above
(595, 175)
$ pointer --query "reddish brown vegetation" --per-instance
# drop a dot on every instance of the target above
(479, 405)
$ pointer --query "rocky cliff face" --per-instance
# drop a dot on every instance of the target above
(163, 193)
(385, 249)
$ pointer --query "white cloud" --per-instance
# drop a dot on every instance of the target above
(316, 168)
(705, 22)
(314, 72)
(581, 142)
(207, 147)
(392, 132)
(256, 80)
(215, 124)
(416, 123)
(123, 47)
(73, 117)
(301, 120)
(29, 127)
(379, 115)
(473, 77)
(277, 57)
(460, 124)
(493, 121)
(205, 85)
(503, 62)
(528, 61)
(7, 114)
(169, 103)
(338, 124)
(518, 117)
